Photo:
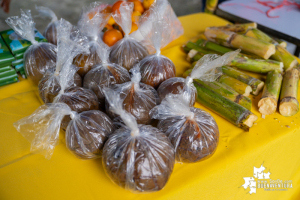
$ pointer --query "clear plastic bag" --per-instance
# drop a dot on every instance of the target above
(39, 57)
(105, 74)
(165, 12)
(208, 68)
(136, 157)
(137, 98)
(67, 49)
(85, 135)
(50, 33)
(91, 25)
(193, 132)
(127, 51)
(157, 68)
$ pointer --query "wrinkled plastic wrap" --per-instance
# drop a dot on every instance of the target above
(50, 33)
(85, 135)
(157, 68)
(136, 157)
(67, 49)
(193, 132)
(105, 74)
(127, 51)
(208, 68)
(91, 26)
(39, 57)
(137, 98)
(164, 10)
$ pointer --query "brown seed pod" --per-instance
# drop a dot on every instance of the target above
(140, 163)
(155, 69)
(38, 58)
(87, 133)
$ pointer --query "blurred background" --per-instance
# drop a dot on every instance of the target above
(71, 9)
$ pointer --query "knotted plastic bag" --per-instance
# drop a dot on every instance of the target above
(50, 33)
(165, 11)
(105, 74)
(137, 98)
(193, 132)
(85, 134)
(39, 57)
(208, 68)
(67, 49)
(91, 24)
(157, 68)
(127, 51)
(136, 157)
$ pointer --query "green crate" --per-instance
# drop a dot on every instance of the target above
(5, 55)
(9, 79)
(6, 68)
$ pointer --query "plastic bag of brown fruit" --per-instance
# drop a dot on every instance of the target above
(50, 32)
(157, 68)
(85, 134)
(126, 52)
(91, 24)
(67, 49)
(137, 98)
(193, 132)
(136, 157)
(39, 57)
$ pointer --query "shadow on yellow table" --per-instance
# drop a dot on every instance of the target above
(272, 142)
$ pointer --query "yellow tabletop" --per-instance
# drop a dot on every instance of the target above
(272, 142)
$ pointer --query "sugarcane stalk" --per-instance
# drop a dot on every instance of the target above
(282, 55)
(211, 6)
(268, 103)
(289, 104)
(196, 57)
(235, 84)
(193, 46)
(238, 28)
(231, 111)
(213, 46)
(256, 84)
(245, 43)
(281, 42)
(227, 92)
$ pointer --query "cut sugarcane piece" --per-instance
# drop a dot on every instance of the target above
(193, 46)
(211, 6)
(256, 84)
(281, 42)
(227, 92)
(258, 34)
(191, 54)
(235, 84)
(242, 61)
(238, 28)
(289, 104)
(282, 55)
(231, 111)
(245, 43)
(196, 57)
(267, 105)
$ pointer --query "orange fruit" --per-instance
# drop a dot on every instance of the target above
(135, 16)
(134, 27)
(116, 6)
(138, 6)
(107, 27)
(111, 21)
(112, 36)
(106, 10)
(147, 3)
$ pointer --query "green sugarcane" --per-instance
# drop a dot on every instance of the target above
(235, 84)
(289, 104)
(231, 111)
(227, 92)
(238, 28)
(281, 42)
(242, 61)
(258, 34)
(256, 84)
(211, 6)
(268, 103)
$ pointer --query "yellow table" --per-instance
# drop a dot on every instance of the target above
(273, 142)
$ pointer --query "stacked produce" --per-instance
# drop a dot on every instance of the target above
(260, 54)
